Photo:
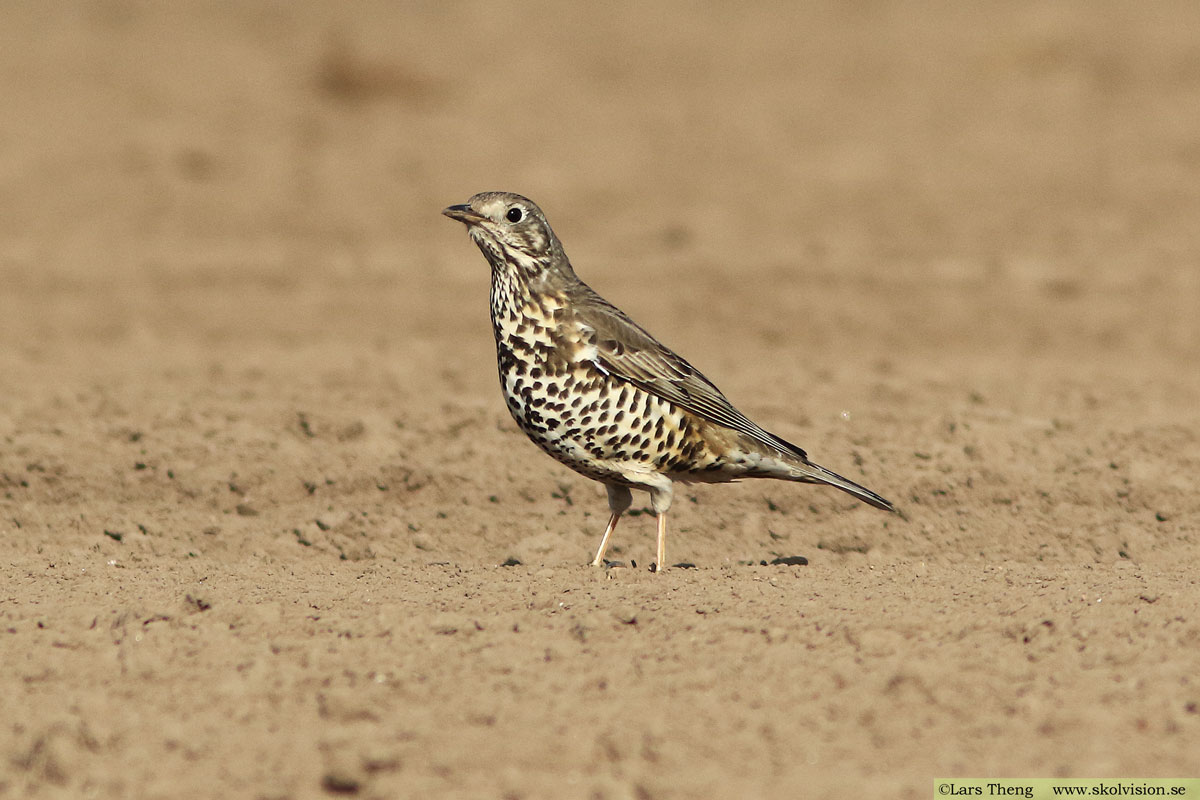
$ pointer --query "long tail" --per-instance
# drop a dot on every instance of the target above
(809, 472)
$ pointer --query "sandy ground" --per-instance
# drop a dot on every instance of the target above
(258, 485)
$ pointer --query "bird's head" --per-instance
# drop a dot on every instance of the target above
(513, 234)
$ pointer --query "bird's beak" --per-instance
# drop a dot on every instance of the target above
(464, 214)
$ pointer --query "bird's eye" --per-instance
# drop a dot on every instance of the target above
(513, 215)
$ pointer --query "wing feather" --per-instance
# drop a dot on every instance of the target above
(627, 351)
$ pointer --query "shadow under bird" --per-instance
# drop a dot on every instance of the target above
(597, 392)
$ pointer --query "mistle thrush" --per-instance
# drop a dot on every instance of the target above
(593, 389)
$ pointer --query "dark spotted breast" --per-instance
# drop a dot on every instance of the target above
(594, 423)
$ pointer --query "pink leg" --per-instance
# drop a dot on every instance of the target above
(612, 523)
(662, 542)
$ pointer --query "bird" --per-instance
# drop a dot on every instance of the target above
(596, 391)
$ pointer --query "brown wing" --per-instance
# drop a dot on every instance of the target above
(626, 351)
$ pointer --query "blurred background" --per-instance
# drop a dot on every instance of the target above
(1022, 177)
(950, 248)
(876, 225)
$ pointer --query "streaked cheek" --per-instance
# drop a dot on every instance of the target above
(532, 241)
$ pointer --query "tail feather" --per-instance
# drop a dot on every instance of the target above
(815, 473)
